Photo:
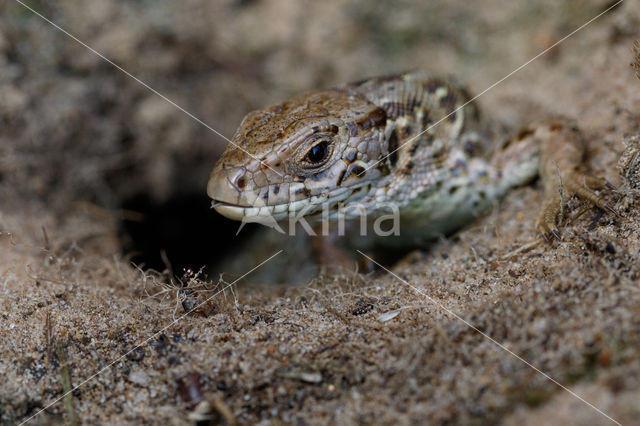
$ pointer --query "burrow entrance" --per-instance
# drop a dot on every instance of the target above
(181, 233)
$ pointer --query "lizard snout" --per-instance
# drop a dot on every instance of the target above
(226, 185)
(226, 188)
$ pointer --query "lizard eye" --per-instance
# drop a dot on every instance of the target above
(318, 153)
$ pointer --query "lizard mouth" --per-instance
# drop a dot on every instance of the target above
(251, 213)
(260, 212)
(228, 210)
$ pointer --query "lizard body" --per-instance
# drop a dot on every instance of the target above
(412, 141)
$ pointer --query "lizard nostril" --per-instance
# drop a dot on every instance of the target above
(241, 182)
(238, 178)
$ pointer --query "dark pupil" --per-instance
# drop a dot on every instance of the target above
(317, 153)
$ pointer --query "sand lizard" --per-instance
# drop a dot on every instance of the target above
(356, 145)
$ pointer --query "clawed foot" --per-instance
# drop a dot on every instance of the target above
(575, 183)
(561, 150)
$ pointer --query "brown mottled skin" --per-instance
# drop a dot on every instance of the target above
(411, 141)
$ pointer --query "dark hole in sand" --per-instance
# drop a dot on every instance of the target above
(190, 233)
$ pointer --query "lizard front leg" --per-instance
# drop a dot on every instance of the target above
(559, 147)
(561, 154)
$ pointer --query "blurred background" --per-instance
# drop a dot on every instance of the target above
(76, 133)
(96, 170)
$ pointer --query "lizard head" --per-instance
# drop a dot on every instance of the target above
(309, 153)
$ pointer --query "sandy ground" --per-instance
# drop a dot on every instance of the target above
(87, 154)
